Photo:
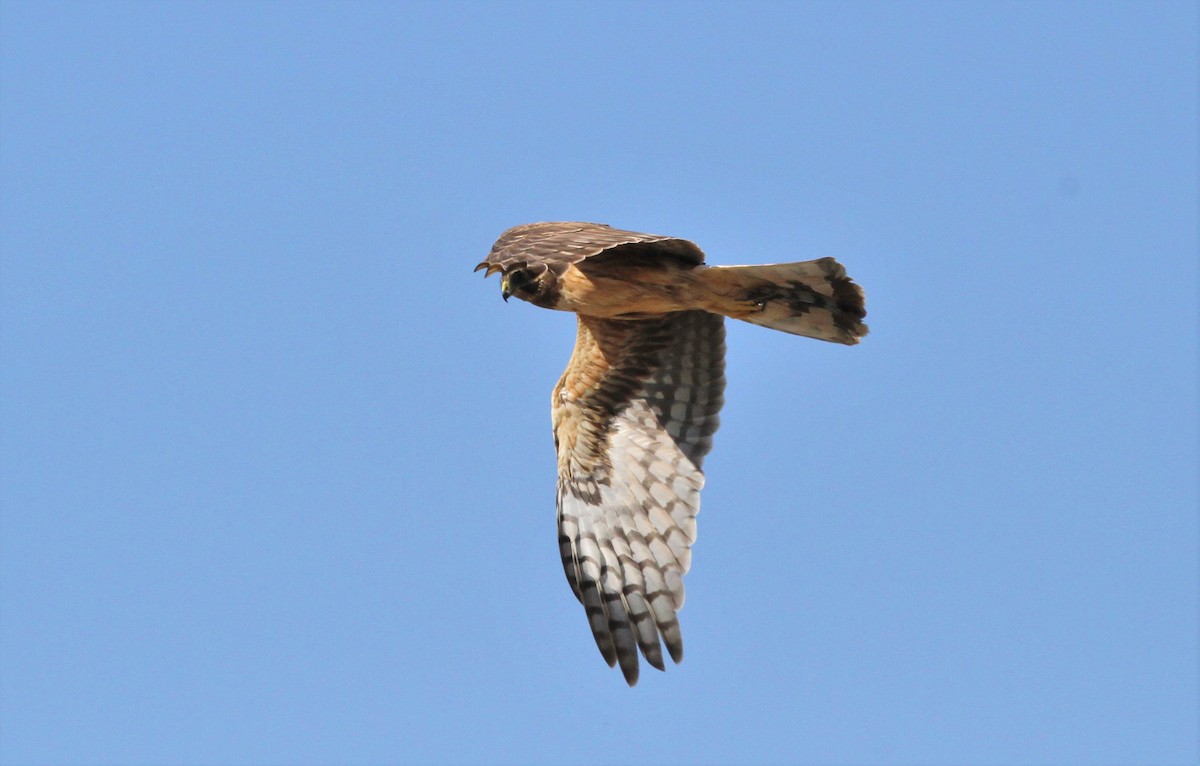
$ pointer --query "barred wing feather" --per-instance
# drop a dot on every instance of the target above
(634, 416)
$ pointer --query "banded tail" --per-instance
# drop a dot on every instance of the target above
(811, 298)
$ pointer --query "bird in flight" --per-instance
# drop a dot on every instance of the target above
(635, 411)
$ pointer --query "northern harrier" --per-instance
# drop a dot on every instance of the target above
(636, 409)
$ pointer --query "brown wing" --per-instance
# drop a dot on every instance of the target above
(557, 245)
(634, 416)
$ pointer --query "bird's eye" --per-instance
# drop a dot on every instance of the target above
(519, 280)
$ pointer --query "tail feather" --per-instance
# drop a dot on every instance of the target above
(811, 298)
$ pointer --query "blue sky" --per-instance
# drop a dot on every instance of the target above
(277, 476)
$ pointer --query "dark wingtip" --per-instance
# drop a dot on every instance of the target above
(675, 649)
(482, 265)
(631, 675)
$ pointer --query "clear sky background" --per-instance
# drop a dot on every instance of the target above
(278, 481)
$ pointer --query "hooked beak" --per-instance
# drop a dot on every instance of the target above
(504, 291)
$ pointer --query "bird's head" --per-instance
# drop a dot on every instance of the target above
(529, 283)
(519, 283)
